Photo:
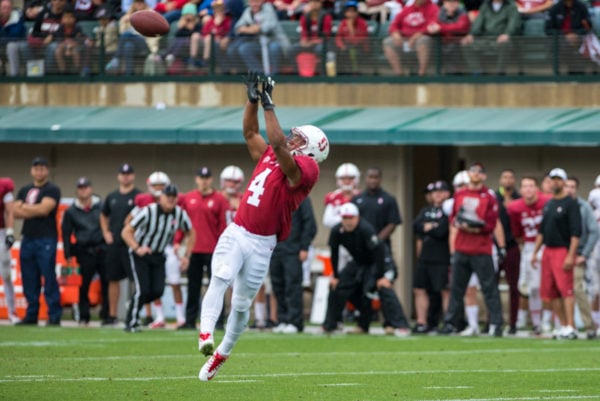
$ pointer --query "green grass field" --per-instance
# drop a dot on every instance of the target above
(38, 363)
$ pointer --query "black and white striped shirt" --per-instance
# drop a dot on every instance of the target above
(155, 228)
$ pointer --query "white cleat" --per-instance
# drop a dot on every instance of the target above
(211, 367)
(289, 329)
(470, 332)
(206, 343)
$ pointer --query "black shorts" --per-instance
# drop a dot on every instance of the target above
(431, 276)
(118, 265)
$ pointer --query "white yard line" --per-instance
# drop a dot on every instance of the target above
(12, 379)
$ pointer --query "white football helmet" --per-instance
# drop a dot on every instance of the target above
(597, 182)
(461, 178)
(157, 178)
(347, 170)
(310, 141)
(233, 173)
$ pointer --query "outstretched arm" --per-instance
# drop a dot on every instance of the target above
(255, 142)
(276, 137)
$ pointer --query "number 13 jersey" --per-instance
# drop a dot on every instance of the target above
(269, 200)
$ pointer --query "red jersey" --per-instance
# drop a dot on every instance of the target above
(414, 19)
(525, 219)
(315, 29)
(144, 199)
(358, 36)
(7, 186)
(483, 203)
(220, 31)
(267, 205)
(207, 213)
(337, 198)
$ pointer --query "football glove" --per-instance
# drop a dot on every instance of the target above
(267, 92)
(252, 86)
(501, 255)
(9, 240)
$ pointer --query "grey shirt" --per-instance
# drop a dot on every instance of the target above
(589, 229)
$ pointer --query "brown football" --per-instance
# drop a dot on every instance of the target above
(149, 23)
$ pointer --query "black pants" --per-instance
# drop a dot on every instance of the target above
(286, 279)
(462, 268)
(148, 274)
(199, 263)
(354, 285)
(91, 261)
(391, 308)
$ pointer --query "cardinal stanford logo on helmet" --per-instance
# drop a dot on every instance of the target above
(308, 140)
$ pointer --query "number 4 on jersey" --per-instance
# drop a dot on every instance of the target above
(257, 187)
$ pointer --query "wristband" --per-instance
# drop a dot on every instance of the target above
(10, 231)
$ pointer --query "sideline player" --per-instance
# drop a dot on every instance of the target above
(525, 217)
(7, 238)
(284, 175)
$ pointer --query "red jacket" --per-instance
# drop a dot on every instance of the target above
(360, 37)
(316, 29)
(484, 203)
(415, 19)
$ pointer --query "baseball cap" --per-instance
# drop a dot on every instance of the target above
(349, 210)
(441, 185)
(103, 12)
(83, 182)
(189, 9)
(428, 188)
(351, 4)
(558, 172)
(204, 172)
(126, 169)
(170, 190)
(39, 161)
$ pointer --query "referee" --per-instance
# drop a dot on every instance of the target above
(147, 235)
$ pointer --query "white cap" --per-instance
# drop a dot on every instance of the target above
(558, 172)
(349, 209)
(597, 182)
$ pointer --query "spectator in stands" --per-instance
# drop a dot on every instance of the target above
(172, 9)
(594, 287)
(408, 32)
(215, 30)
(39, 42)
(70, 42)
(379, 9)
(533, 9)
(497, 22)
(131, 43)
(288, 9)
(315, 28)
(260, 41)
(106, 34)
(12, 28)
(33, 8)
(351, 40)
(85, 10)
(452, 25)
(180, 52)
(570, 20)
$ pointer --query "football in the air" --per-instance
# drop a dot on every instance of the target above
(149, 23)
